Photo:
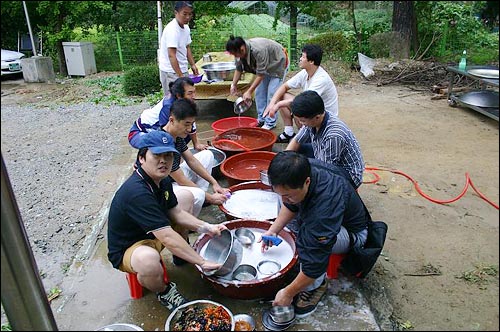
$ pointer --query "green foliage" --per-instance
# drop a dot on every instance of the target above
(141, 81)
(210, 35)
(451, 27)
(335, 45)
(109, 91)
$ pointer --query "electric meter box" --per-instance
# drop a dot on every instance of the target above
(80, 59)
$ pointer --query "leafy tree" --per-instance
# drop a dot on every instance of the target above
(62, 17)
(294, 8)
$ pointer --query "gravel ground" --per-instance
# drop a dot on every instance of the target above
(64, 163)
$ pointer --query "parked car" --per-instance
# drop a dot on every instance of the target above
(11, 62)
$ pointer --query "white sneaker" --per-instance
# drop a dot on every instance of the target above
(268, 127)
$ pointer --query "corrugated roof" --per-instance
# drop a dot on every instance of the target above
(242, 4)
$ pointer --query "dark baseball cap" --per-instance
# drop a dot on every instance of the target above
(158, 141)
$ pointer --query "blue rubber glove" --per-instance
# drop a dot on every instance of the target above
(273, 239)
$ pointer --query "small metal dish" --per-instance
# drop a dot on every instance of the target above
(244, 322)
(245, 272)
(268, 267)
(245, 236)
(282, 314)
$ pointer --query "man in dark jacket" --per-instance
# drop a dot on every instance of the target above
(330, 218)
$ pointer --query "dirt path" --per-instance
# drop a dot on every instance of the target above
(435, 270)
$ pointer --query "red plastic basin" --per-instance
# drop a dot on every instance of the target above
(253, 289)
(246, 166)
(243, 186)
(222, 125)
(238, 140)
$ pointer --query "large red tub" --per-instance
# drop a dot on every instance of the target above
(246, 208)
(238, 140)
(246, 166)
(262, 287)
(224, 124)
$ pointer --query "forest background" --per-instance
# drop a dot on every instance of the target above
(125, 34)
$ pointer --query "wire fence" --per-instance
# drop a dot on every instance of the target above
(118, 51)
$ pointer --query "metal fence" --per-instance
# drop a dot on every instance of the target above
(122, 50)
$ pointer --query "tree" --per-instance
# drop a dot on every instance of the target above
(405, 23)
(294, 8)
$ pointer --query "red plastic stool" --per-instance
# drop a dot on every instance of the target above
(333, 265)
(134, 285)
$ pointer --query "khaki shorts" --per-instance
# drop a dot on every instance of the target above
(126, 265)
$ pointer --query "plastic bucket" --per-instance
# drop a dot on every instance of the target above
(222, 125)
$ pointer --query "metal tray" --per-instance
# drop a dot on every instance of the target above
(484, 72)
(484, 98)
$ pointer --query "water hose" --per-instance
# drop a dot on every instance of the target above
(468, 182)
(222, 140)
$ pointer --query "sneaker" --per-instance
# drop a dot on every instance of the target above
(171, 298)
(268, 127)
(284, 138)
(307, 301)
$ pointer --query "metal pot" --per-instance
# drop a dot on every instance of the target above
(207, 58)
(241, 106)
(226, 250)
(219, 71)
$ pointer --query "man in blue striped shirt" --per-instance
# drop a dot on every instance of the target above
(330, 138)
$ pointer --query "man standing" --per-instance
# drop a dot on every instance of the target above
(330, 218)
(142, 218)
(175, 50)
(266, 59)
(311, 77)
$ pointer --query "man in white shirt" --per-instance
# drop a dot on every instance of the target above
(311, 77)
(175, 51)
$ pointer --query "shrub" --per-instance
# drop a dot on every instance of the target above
(334, 44)
(141, 81)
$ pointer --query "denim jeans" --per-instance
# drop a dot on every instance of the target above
(263, 95)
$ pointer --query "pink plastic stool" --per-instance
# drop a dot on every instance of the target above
(333, 265)
(134, 285)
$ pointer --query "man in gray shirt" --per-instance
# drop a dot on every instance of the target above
(266, 59)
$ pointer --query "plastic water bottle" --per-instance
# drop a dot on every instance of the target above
(463, 61)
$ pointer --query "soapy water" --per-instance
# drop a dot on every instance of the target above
(256, 204)
(252, 255)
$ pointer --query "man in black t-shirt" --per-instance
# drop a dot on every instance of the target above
(142, 218)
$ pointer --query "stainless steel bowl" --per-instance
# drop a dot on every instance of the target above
(241, 106)
(268, 267)
(245, 236)
(219, 155)
(226, 250)
(245, 272)
(197, 305)
(219, 71)
(243, 319)
(282, 314)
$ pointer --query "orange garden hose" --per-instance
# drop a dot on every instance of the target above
(468, 182)
(223, 140)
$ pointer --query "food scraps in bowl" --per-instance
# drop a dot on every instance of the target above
(202, 317)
